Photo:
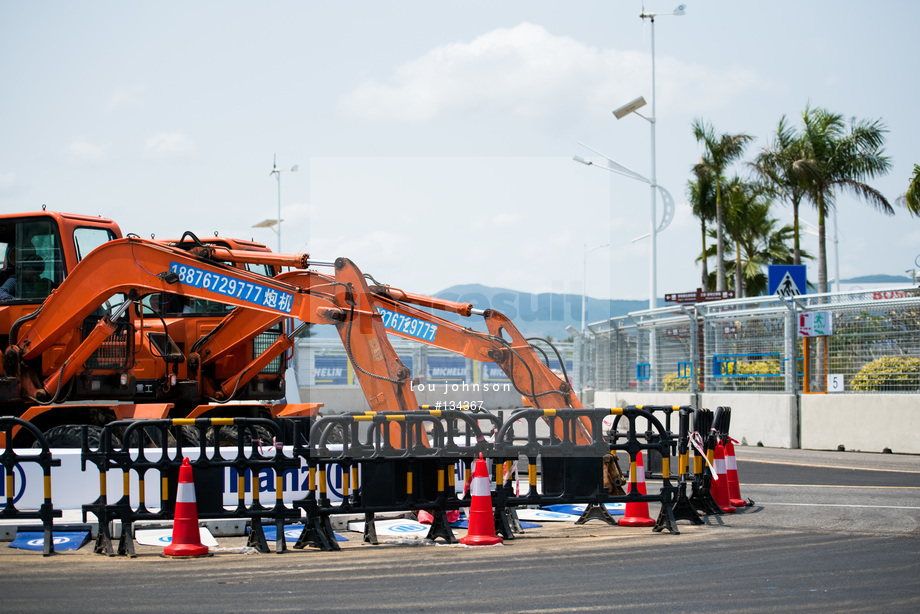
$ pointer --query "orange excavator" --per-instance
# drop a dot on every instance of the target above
(106, 328)
(97, 318)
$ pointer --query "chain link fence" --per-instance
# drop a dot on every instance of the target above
(323, 361)
(841, 342)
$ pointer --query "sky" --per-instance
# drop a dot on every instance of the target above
(434, 141)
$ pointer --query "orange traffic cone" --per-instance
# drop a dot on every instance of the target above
(186, 537)
(481, 530)
(731, 468)
(720, 485)
(636, 513)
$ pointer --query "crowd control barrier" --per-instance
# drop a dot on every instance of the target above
(707, 430)
(122, 447)
(573, 472)
(11, 461)
(391, 461)
(387, 462)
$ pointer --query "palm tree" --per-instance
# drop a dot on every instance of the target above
(764, 244)
(741, 200)
(754, 235)
(702, 194)
(720, 152)
(833, 159)
(911, 199)
(775, 166)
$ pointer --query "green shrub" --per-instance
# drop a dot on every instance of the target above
(672, 383)
(757, 367)
(888, 374)
(763, 375)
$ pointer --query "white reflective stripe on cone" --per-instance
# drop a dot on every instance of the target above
(640, 473)
(731, 463)
(720, 466)
(185, 493)
(480, 488)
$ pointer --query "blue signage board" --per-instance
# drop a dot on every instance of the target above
(256, 294)
(446, 369)
(330, 370)
(787, 280)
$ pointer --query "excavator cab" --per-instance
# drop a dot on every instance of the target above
(32, 257)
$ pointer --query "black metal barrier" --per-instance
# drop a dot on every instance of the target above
(405, 461)
(130, 455)
(398, 461)
(10, 459)
(573, 472)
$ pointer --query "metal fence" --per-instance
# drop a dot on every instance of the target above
(323, 362)
(871, 344)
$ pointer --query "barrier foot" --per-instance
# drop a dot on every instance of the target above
(596, 511)
(317, 531)
(503, 522)
(47, 516)
(513, 520)
(280, 540)
(257, 536)
(370, 530)
(103, 545)
(440, 527)
(666, 520)
(501, 519)
(703, 500)
(683, 508)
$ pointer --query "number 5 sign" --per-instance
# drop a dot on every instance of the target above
(835, 382)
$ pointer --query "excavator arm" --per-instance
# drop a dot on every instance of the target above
(383, 378)
(504, 344)
(136, 267)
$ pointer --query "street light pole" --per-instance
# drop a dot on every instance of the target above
(653, 260)
(277, 172)
(653, 237)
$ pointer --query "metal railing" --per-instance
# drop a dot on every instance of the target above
(320, 362)
(755, 345)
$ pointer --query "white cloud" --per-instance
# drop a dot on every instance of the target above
(506, 218)
(83, 152)
(126, 97)
(530, 73)
(168, 145)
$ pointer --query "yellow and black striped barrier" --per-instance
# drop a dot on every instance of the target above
(398, 461)
(137, 447)
(10, 460)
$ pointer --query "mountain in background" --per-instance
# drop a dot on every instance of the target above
(535, 315)
(879, 279)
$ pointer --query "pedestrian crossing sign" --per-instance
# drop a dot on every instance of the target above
(787, 280)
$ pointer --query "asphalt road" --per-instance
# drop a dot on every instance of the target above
(828, 532)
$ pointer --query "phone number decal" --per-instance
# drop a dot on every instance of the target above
(408, 325)
(249, 292)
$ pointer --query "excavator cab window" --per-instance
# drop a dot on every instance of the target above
(172, 305)
(261, 269)
(33, 257)
(86, 239)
